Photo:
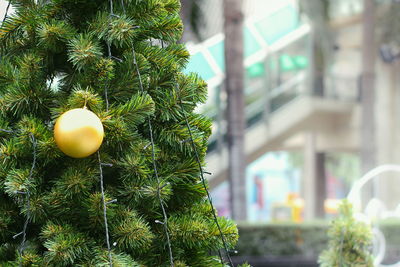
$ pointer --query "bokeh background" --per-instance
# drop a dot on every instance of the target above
(321, 96)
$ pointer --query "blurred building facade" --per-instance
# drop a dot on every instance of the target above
(284, 112)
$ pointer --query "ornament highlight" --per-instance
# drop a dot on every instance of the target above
(78, 133)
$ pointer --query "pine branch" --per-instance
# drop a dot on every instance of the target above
(120, 31)
(100, 259)
(80, 98)
(134, 167)
(21, 99)
(195, 231)
(172, 6)
(175, 137)
(128, 81)
(118, 133)
(48, 150)
(65, 245)
(150, 193)
(83, 51)
(17, 181)
(349, 241)
(8, 74)
(94, 207)
(136, 110)
(77, 181)
(133, 234)
(55, 34)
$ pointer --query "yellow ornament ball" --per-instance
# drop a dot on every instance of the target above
(78, 133)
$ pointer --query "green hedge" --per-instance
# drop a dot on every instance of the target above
(304, 240)
(391, 231)
(307, 239)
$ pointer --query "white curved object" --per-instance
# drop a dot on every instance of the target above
(379, 244)
(354, 194)
(375, 209)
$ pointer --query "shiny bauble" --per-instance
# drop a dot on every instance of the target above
(78, 133)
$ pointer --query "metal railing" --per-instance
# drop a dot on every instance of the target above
(345, 8)
(261, 103)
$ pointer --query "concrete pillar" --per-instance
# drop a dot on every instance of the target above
(368, 100)
(236, 117)
(388, 139)
(320, 185)
(309, 180)
(314, 180)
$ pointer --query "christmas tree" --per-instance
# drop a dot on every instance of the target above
(141, 199)
(350, 241)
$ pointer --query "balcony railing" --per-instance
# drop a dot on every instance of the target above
(345, 8)
(261, 105)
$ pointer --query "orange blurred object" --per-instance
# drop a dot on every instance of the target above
(297, 206)
(331, 205)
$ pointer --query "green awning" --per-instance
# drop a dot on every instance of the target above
(217, 52)
(301, 62)
(271, 29)
(256, 70)
(251, 45)
(279, 24)
(199, 64)
(287, 63)
(291, 63)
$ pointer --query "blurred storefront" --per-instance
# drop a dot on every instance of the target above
(274, 186)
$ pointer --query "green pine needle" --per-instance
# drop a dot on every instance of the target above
(83, 51)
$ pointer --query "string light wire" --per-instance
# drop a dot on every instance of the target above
(27, 192)
(164, 212)
(165, 217)
(155, 170)
(6, 131)
(103, 198)
(28, 202)
(203, 180)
